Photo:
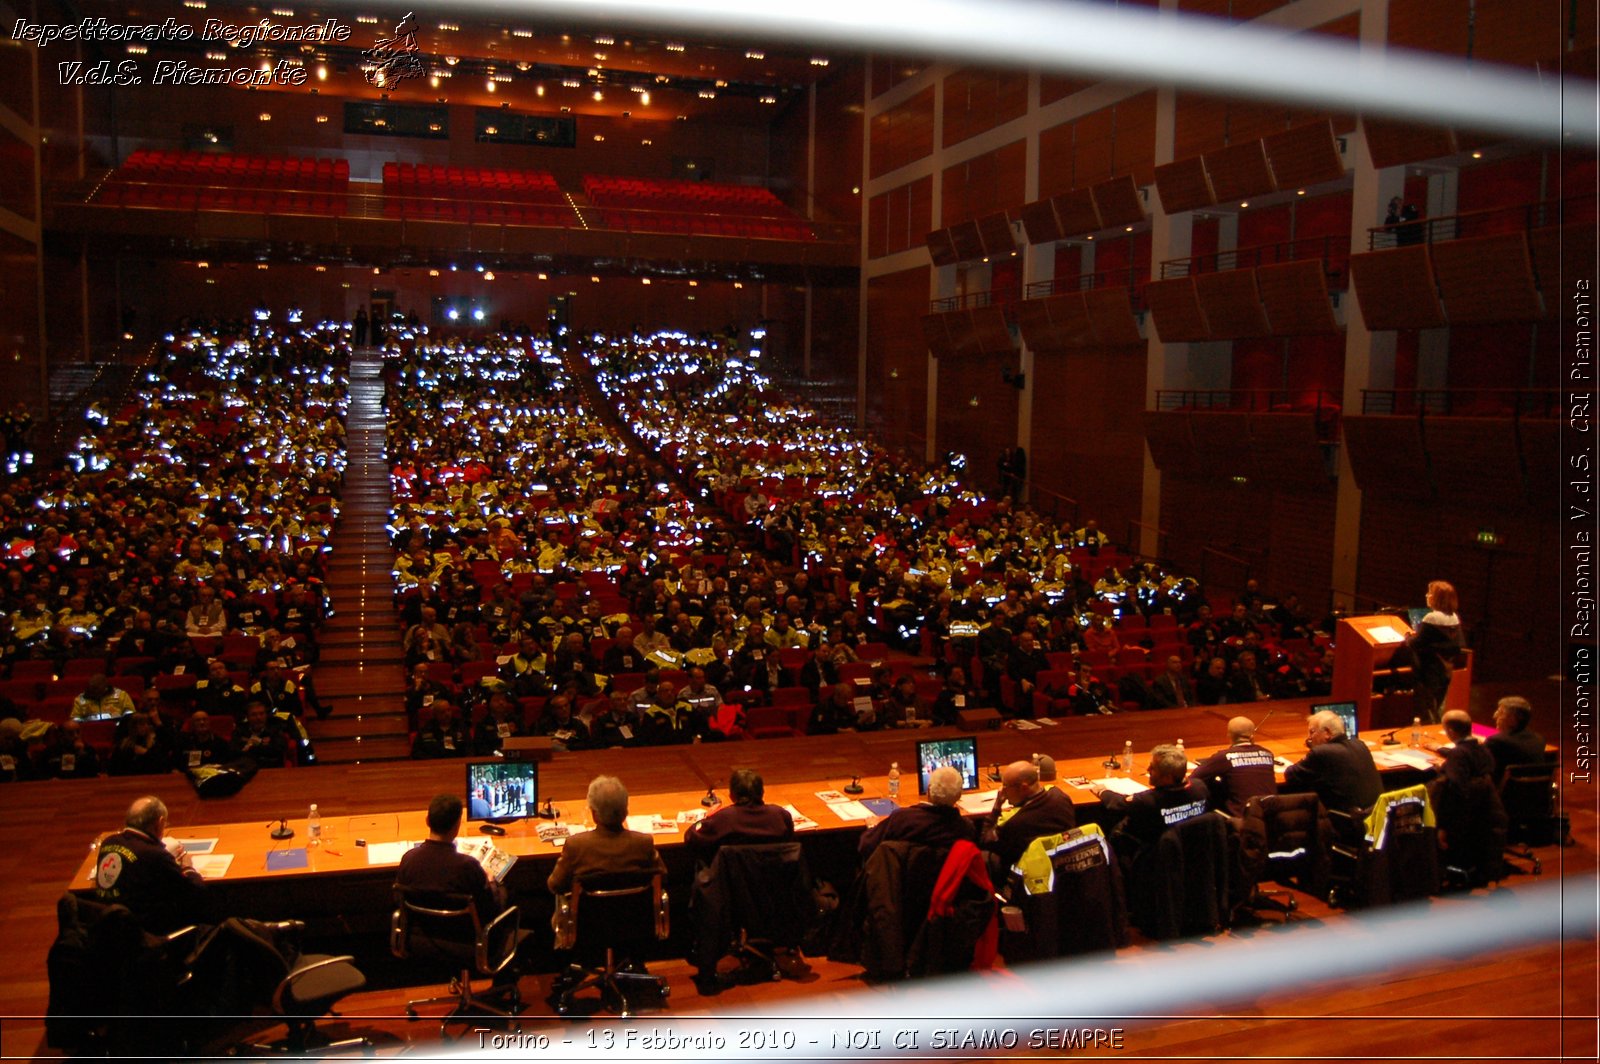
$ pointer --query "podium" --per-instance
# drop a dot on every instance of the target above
(1365, 672)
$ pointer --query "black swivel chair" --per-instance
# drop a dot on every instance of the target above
(1179, 885)
(1528, 793)
(444, 929)
(298, 987)
(612, 920)
(754, 899)
(1282, 837)
(1400, 864)
(1077, 906)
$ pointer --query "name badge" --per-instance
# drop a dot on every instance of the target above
(7, 763)
(69, 762)
(427, 700)
(449, 742)
(503, 730)
(757, 655)
(194, 759)
(961, 701)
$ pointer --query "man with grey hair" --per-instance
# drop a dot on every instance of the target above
(1513, 742)
(1170, 800)
(936, 822)
(610, 847)
(1337, 768)
(150, 875)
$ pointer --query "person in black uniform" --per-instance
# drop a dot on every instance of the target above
(199, 745)
(936, 822)
(259, 738)
(1467, 803)
(1513, 742)
(156, 881)
(1170, 800)
(1239, 772)
(1337, 768)
(436, 867)
(1039, 811)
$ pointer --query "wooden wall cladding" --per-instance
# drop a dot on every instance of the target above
(994, 230)
(941, 248)
(1231, 304)
(1387, 456)
(1393, 143)
(989, 330)
(1118, 202)
(1171, 446)
(1184, 185)
(1285, 452)
(968, 244)
(1076, 211)
(1111, 317)
(1175, 309)
(1295, 297)
(1561, 252)
(1395, 288)
(1039, 222)
(1486, 279)
(1239, 171)
(1474, 459)
(1306, 155)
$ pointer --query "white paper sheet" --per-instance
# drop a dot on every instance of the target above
(850, 811)
(386, 853)
(197, 847)
(651, 824)
(1121, 785)
(975, 802)
(213, 865)
(801, 821)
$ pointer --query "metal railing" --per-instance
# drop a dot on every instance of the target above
(1517, 219)
(1054, 504)
(1130, 277)
(1463, 402)
(992, 297)
(1162, 535)
(1244, 567)
(1332, 251)
(1259, 400)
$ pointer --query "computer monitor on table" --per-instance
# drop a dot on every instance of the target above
(1346, 712)
(961, 754)
(502, 790)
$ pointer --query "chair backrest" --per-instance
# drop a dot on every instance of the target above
(1295, 839)
(1409, 844)
(767, 889)
(1072, 904)
(435, 926)
(1528, 793)
(1180, 884)
(619, 911)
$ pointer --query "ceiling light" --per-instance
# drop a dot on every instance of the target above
(599, 57)
(598, 137)
(769, 99)
(645, 280)
(451, 60)
(1244, 203)
(755, 55)
(1299, 192)
(694, 284)
(542, 277)
(595, 278)
(370, 20)
(644, 98)
(598, 95)
(522, 33)
(489, 84)
(217, 57)
(139, 49)
(322, 120)
(265, 116)
(538, 90)
(283, 12)
(607, 41)
(674, 47)
(433, 273)
(203, 265)
(571, 83)
(721, 84)
(707, 94)
(1127, 229)
(322, 269)
(738, 284)
(433, 81)
(1477, 155)
(646, 142)
(322, 73)
(489, 276)
(817, 60)
(261, 266)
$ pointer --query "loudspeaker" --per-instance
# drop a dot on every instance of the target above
(977, 719)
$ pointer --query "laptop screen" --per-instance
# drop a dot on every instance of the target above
(1346, 711)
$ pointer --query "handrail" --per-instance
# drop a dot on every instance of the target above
(1463, 402)
(1072, 506)
(1331, 250)
(991, 297)
(1523, 217)
(1130, 276)
(1210, 552)
(1162, 535)
(1323, 401)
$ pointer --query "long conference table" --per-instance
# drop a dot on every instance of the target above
(343, 884)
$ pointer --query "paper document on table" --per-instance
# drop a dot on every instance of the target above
(831, 797)
(196, 847)
(801, 821)
(213, 865)
(382, 853)
(975, 802)
(850, 811)
(1122, 785)
(1022, 724)
(692, 816)
(651, 824)
(1048, 722)
(1383, 633)
(1410, 758)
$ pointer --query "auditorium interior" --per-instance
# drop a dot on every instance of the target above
(392, 360)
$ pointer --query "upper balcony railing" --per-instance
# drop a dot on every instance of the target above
(1517, 219)
(1332, 251)
(1463, 402)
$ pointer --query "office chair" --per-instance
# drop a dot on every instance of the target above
(1528, 793)
(1066, 893)
(612, 920)
(1385, 854)
(1281, 837)
(754, 901)
(299, 987)
(445, 929)
(1179, 885)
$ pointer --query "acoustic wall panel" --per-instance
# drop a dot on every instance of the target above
(1485, 279)
(941, 249)
(1231, 304)
(1118, 202)
(1295, 298)
(1069, 318)
(1184, 186)
(1175, 308)
(1387, 457)
(1396, 143)
(1111, 316)
(1239, 171)
(1076, 212)
(1039, 222)
(1305, 155)
(1396, 288)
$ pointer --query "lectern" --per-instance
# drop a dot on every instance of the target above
(1364, 672)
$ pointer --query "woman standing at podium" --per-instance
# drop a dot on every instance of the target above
(1436, 642)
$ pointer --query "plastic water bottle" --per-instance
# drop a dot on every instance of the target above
(894, 781)
(1181, 750)
(1416, 732)
(1127, 757)
(313, 826)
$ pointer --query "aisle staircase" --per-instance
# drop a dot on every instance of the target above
(360, 670)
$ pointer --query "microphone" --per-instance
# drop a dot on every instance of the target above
(711, 801)
(854, 786)
(1390, 740)
(282, 831)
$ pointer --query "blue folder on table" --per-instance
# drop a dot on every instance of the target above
(284, 860)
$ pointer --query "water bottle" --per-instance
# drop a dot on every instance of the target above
(894, 781)
(1127, 757)
(313, 826)
(1181, 750)
(1416, 733)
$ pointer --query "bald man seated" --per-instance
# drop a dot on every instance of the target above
(153, 877)
(1239, 772)
(1038, 811)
